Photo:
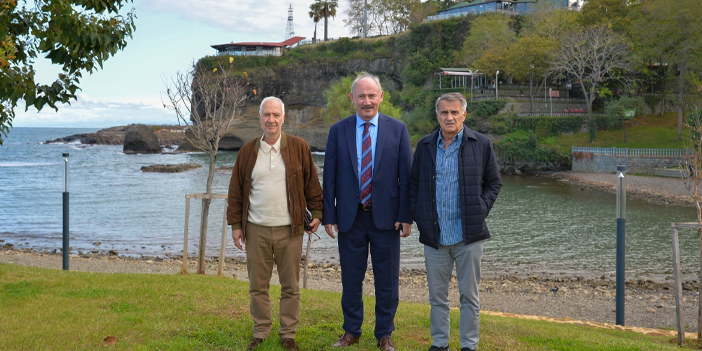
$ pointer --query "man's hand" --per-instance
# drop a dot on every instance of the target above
(330, 231)
(238, 236)
(314, 224)
(406, 229)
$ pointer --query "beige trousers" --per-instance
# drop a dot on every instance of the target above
(265, 246)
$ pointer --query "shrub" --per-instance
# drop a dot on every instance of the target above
(524, 146)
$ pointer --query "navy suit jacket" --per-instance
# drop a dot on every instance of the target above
(391, 172)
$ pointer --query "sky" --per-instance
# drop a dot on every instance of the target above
(170, 35)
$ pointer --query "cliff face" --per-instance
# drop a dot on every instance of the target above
(301, 88)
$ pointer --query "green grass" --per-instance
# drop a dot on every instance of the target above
(43, 309)
(649, 131)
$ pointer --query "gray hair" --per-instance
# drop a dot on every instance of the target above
(362, 75)
(282, 105)
(452, 97)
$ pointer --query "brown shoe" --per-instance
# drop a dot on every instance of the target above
(254, 344)
(346, 340)
(290, 344)
(385, 344)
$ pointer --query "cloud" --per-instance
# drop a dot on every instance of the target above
(262, 19)
(95, 113)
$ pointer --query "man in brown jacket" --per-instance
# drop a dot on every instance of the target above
(273, 181)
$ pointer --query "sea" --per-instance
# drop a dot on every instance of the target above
(538, 225)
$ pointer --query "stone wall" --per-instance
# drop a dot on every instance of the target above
(590, 162)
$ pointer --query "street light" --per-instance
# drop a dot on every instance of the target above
(496, 82)
(66, 246)
(621, 242)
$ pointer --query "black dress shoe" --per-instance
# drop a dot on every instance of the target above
(290, 344)
(254, 344)
(385, 344)
(346, 340)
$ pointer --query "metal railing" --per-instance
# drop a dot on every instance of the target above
(558, 114)
(632, 152)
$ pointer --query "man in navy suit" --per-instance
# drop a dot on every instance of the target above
(367, 165)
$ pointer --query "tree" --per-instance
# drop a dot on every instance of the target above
(530, 56)
(205, 100)
(616, 109)
(592, 57)
(316, 13)
(613, 14)
(392, 16)
(384, 17)
(672, 32)
(355, 17)
(77, 35)
(339, 105)
(328, 10)
(490, 31)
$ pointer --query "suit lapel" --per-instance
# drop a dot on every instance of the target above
(383, 132)
(350, 127)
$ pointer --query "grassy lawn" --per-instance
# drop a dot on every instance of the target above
(43, 309)
(648, 131)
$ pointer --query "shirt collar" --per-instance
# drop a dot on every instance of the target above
(267, 148)
(457, 137)
(373, 121)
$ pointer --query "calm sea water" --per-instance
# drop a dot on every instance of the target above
(538, 224)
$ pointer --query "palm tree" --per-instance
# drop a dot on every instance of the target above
(328, 10)
(316, 13)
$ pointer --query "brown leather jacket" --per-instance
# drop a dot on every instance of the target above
(302, 183)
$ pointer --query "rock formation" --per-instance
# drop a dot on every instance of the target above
(141, 139)
(171, 168)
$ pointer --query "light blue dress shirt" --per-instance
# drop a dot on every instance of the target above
(373, 131)
(448, 204)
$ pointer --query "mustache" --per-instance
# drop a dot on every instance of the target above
(367, 106)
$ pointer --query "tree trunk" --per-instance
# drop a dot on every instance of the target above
(531, 91)
(206, 212)
(314, 38)
(681, 86)
(589, 98)
(699, 234)
(326, 19)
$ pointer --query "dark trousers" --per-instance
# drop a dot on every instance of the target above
(385, 258)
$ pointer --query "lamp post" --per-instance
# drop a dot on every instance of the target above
(66, 246)
(550, 100)
(496, 83)
(621, 236)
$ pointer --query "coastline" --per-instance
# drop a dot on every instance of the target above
(657, 190)
(582, 297)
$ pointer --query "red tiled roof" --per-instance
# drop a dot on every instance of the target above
(289, 42)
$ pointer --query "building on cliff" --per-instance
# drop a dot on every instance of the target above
(256, 48)
(512, 7)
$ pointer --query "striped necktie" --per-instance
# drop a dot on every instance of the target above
(366, 166)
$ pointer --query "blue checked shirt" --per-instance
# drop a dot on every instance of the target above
(447, 192)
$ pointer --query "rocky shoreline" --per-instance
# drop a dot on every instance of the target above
(657, 190)
(168, 137)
